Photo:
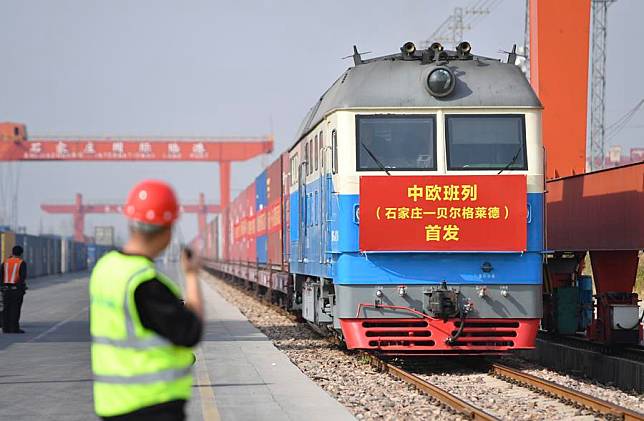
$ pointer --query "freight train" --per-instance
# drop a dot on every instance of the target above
(408, 215)
(50, 255)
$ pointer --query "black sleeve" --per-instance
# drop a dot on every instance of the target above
(161, 311)
(22, 272)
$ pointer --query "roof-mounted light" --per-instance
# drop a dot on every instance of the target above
(408, 49)
(440, 82)
(464, 48)
(436, 46)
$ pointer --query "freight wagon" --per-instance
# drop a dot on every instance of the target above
(256, 218)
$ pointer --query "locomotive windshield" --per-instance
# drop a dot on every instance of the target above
(485, 142)
(395, 142)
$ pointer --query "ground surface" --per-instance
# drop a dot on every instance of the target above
(45, 373)
(372, 395)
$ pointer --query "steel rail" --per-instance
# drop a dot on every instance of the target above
(441, 395)
(461, 406)
(565, 393)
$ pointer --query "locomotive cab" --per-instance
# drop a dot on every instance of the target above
(416, 205)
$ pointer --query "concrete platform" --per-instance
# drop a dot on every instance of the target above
(240, 375)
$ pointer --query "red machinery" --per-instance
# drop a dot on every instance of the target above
(79, 210)
(599, 212)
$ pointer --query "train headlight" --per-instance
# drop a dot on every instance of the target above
(440, 82)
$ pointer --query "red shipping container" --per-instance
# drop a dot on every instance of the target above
(286, 215)
(245, 225)
(235, 219)
(227, 253)
(212, 233)
(274, 226)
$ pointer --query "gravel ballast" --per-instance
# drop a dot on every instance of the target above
(372, 395)
(367, 393)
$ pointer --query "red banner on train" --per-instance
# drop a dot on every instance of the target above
(443, 213)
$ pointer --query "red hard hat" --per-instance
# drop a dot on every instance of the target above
(152, 202)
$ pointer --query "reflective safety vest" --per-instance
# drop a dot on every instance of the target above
(133, 366)
(12, 270)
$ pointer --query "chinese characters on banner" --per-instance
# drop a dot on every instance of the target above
(96, 150)
(443, 213)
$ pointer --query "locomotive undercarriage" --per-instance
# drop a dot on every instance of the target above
(405, 319)
(425, 319)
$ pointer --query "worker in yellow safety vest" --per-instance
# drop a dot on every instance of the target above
(13, 282)
(142, 332)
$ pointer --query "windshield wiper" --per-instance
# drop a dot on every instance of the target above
(382, 167)
(514, 159)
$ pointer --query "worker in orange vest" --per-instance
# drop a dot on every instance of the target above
(13, 277)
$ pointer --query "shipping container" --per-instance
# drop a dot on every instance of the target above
(57, 255)
(261, 218)
(213, 245)
(231, 233)
(92, 255)
(66, 255)
(104, 236)
(233, 230)
(47, 255)
(235, 227)
(250, 249)
(35, 254)
(79, 260)
(7, 241)
(242, 222)
(95, 252)
(227, 233)
(286, 215)
(53, 254)
(218, 236)
(274, 212)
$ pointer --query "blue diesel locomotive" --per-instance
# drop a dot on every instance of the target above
(413, 207)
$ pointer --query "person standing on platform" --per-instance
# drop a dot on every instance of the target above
(13, 278)
(142, 332)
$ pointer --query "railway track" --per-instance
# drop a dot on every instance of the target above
(539, 385)
(564, 393)
(466, 408)
(454, 402)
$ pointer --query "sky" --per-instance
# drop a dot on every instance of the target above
(219, 68)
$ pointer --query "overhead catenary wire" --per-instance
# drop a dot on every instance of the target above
(475, 14)
(614, 129)
(451, 30)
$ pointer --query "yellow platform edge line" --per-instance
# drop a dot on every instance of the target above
(209, 409)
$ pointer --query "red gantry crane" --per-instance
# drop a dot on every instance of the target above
(78, 210)
(599, 213)
(16, 146)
